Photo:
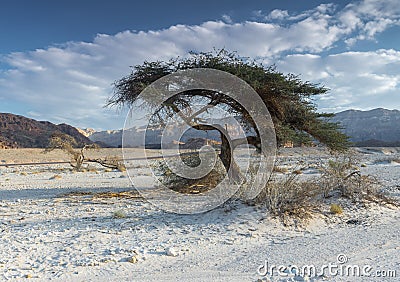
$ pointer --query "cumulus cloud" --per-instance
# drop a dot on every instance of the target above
(358, 80)
(227, 19)
(71, 82)
(278, 15)
(369, 17)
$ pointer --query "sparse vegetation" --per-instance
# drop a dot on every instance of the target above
(78, 155)
(290, 103)
(120, 214)
(185, 185)
(341, 175)
(289, 195)
(280, 169)
(298, 171)
(56, 176)
(336, 209)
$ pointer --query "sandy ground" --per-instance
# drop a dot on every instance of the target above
(53, 227)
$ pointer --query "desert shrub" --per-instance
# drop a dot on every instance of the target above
(185, 185)
(336, 209)
(78, 156)
(341, 175)
(56, 176)
(120, 214)
(112, 162)
(289, 196)
(280, 169)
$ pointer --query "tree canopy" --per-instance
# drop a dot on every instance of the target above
(289, 100)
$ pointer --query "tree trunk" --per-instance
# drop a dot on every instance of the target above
(227, 160)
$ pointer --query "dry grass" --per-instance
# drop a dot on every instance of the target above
(55, 177)
(190, 186)
(133, 194)
(280, 169)
(289, 196)
(341, 175)
(119, 214)
(336, 209)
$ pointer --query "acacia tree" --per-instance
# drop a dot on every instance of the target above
(288, 99)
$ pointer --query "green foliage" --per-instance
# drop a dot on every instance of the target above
(288, 98)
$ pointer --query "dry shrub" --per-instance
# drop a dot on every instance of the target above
(119, 214)
(341, 175)
(56, 176)
(289, 196)
(95, 197)
(280, 169)
(186, 185)
(292, 196)
(113, 162)
(336, 209)
(78, 155)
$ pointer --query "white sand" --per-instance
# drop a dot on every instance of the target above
(48, 236)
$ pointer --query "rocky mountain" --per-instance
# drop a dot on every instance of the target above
(86, 131)
(20, 132)
(113, 138)
(377, 127)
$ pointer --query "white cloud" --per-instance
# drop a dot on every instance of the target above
(227, 19)
(278, 15)
(71, 82)
(361, 80)
(369, 17)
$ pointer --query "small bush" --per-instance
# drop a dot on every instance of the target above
(336, 209)
(290, 197)
(92, 169)
(280, 169)
(190, 186)
(341, 175)
(56, 176)
(119, 214)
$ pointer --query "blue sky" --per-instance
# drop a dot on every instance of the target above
(58, 59)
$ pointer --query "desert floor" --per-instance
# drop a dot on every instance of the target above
(60, 225)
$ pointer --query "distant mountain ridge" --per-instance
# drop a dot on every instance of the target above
(21, 132)
(377, 127)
